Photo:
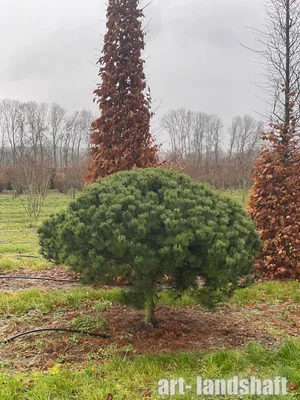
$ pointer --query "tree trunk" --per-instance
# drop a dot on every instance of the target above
(54, 149)
(287, 103)
(150, 318)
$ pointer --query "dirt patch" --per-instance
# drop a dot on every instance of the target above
(59, 273)
(180, 329)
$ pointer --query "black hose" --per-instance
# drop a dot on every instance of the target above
(38, 278)
(102, 335)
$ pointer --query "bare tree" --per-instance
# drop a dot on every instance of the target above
(57, 119)
(213, 138)
(69, 180)
(69, 139)
(280, 51)
(86, 119)
(234, 132)
(39, 132)
(178, 123)
(195, 136)
(2, 141)
(12, 125)
(244, 134)
(37, 123)
(31, 180)
(198, 128)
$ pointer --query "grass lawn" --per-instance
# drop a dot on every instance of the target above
(18, 238)
(136, 377)
(255, 334)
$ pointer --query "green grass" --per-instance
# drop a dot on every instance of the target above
(136, 377)
(238, 194)
(18, 234)
(267, 292)
(126, 376)
(274, 291)
(185, 300)
(90, 323)
(43, 301)
(15, 262)
(20, 302)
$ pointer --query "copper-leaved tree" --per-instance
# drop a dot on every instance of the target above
(275, 196)
(121, 138)
(275, 203)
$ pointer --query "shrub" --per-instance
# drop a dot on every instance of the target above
(32, 180)
(3, 180)
(148, 224)
(15, 179)
(69, 180)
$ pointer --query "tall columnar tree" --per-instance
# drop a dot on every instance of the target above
(275, 204)
(275, 196)
(121, 138)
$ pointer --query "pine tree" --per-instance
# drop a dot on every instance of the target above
(154, 226)
(121, 138)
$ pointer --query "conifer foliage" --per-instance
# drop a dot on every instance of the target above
(149, 224)
(275, 203)
(121, 138)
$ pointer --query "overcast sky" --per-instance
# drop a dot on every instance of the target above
(48, 50)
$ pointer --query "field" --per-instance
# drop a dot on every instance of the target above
(255, 334)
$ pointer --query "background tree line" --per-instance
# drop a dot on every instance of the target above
(201, 145)
(41, 132)
(42, 145)
(38, 136)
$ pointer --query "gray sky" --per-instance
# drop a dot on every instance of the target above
(193, 58)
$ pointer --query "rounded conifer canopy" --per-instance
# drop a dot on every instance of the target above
(146, 224)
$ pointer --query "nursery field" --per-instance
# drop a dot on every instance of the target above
(256, 333)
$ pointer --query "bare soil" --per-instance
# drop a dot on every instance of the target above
(7, 284)
(180, 329)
